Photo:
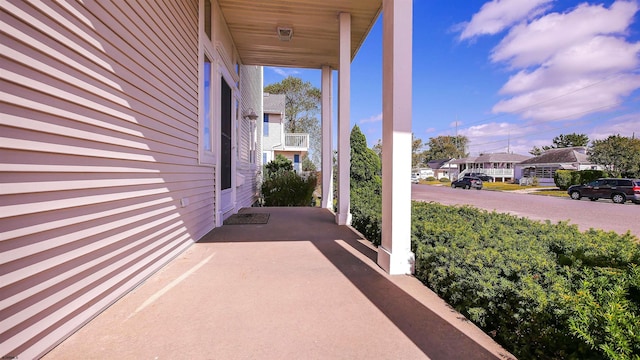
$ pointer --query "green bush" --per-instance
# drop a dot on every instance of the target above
(562, 179)
(366, 188)
(280, 163)
(587, 176)
(286, 188)
(445, 180)
(542, 290)
(431, 178)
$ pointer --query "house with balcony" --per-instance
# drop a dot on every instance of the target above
(130, 130)
(499, 165)
(275, 140)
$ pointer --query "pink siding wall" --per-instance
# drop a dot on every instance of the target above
(251, 94)
(98, 146)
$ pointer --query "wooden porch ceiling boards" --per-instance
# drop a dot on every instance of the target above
(253, 26)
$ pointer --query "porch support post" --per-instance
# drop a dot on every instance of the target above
(394, 254)
(327, 146)
(343, 217)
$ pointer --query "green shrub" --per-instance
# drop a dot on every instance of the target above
(544, 291)
(286, 188)
(445, 180)
(431, 178)
(366, 188)
(562, 179)
(585, 176)
(280, 163)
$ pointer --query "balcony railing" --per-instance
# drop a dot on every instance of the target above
(296, 142)
(490, 172)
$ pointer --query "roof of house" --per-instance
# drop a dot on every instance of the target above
(437, 164)
(274, 103)
(568, 155)
(492, 158)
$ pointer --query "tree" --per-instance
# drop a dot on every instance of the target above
(302, 106)
(562, 141)
(618, 154)
(446, 147)
(366, 188)
(378, 148)
(416, 155)
(570, 140)
(365, 163)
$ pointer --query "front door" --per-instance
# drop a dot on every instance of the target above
(226, 149)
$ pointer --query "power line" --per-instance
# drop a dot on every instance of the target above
(486, 120)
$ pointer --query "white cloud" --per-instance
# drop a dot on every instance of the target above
(599, 57)
(570, 100)
(625, 125)
(531, 44)
(284, 72)
(372, 119)
(570, 64)
(497, 15)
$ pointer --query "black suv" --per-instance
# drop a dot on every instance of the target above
(468, 182)
(618, 190)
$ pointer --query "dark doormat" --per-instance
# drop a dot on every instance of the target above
(239, 219)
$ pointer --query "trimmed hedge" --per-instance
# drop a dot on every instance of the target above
(286, 188)
(565, 178)
(542, 290)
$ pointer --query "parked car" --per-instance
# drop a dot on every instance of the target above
(618, 190)
(415, 179)
(468, 182)
(482, 176)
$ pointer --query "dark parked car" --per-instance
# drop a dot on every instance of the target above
(468, 182)
(618, 190)
(483, 177)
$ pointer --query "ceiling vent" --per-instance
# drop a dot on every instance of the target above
(285, 33)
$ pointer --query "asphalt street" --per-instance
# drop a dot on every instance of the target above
(602, 214)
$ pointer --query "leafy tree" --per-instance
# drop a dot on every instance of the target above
(307, 164)
(536, 151)
(416, 155)
(446, 147)
(365, 163)
(302, 106)
(366, 188)
(378, 148)
(279, 164)
(562, 141)
(570, 140)
(618, 154)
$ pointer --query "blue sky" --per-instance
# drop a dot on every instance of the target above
(512, 74)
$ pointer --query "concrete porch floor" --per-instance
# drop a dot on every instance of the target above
(298, 287)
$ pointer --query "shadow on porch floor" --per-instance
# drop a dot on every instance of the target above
(299, 286)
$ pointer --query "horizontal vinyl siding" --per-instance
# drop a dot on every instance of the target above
(98, 146)
(251, 95)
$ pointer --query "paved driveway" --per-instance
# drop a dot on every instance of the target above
(602, 214)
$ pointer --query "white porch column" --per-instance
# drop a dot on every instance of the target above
(394, 254)
(327, 146)
(343, 217)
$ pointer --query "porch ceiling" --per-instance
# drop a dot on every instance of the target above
(253, 26)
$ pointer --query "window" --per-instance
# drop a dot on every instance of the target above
(207, 139)
(265, 126)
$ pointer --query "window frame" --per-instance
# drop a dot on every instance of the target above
(206, 115)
